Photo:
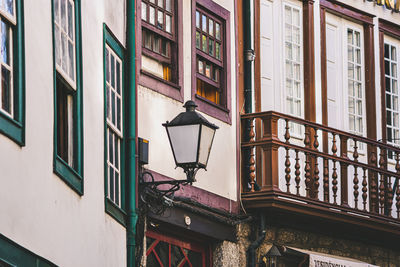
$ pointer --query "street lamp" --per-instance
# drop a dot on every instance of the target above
(190, 136)
(270, 259)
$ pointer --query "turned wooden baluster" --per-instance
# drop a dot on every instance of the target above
(252, 162)
(398, 186)
(307, 167)
(316, 170)
(364, 189)
(287, 162)
(343, 172)
(355, 180)
(382, 187)
(373, 185)
(389, 193)
(334, 171)
(297, 173)
(326, 180)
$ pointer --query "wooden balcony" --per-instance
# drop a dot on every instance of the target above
(297, 167)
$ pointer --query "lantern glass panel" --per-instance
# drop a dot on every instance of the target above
(206, 139)
(184, 141)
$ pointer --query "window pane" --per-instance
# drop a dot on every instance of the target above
(211, 47)
(168, 23)
(387, 55)
(218, 31)
(211, 27)
(108, 102)
(118, 77)
(144, 11)
(6, 100)
(152, 18)
(217, 51)
(201, 67)
(64, 52)
(296, 17)
(117, 194)
(112, 71)
(9, 7)
(70, 21)
(156, 45)
(197, 19)
(111, 184)
(57, 11)
(113, 107)
(63, 15)
(208, 71)
(160, 3)
(160, 20)
(204, 23)
(204, 43)
(198, 40)
(394, 54)
(71, 61)
(168, 5)
(5, 43)
(288, 15)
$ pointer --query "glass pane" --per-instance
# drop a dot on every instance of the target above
(350, 70)
(296, 53)
(118, 77)
(358, 56)
(218, 31)
(117, 188)
(351, 123)
(176, 255)
(288, 33)
(64, 52)
(63, 15)
(288, 51)
(108, 102)
(9, 6)
(217, 50)
(168, 23)
(359, 107)
(350, 53)
(201, 67)
(160, 20)
(5, 43)
(152, 18)
(289, 88)
(204, 23)
(144, 11)
(208, 71)
(359, 90)
(211, 47)
(395, 103)
(296, 17)
(387, 55)
(358, 73)
(296, 68)
(110, 147)
(116, 154)
(204, 43)
(288, 15)
(387, 85)
(6, 100)
(112, 71)
(70, 21)
(151, 260)
(396, 120)
(113, 107)
(289, 70)
(160, 3)
(351, 88)
(297, 89)
(168, 5)
(351, 106)
(198, 40)
(350, 36)
(387, 67)
(394, 55)
(358, 39)
(164, 48)
(211, 27)
(296, 35)
(147, 39)
(71, 61)
(153, 1)
(389, 117)
(197, 19)
(388, 101)
(394, 70)
(216, 74)
(107, 66)
(156, 45)
(57, 11)
(162, 250)
(112, 197)
(394, 87)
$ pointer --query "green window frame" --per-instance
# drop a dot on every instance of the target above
(114, 162)
(12, 254)
(71, 170)
(14, 126)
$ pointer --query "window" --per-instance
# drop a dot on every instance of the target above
(114, 126)
(167, 251)
(12, 71)
(293, 63)
(355, 81)
(68, 94)
(159, 42)
(211, 61)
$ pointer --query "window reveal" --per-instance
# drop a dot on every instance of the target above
(209, 56)
(114, 124)
(7, 23)
(159, 38)
(392, 96)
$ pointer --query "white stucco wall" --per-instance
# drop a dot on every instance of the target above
(39, 211)
(155, 109)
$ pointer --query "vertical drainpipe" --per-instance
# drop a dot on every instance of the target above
(131, 134)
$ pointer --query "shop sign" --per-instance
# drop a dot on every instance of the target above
(390, 4)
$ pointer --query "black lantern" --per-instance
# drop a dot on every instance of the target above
(271, 258)
(190, 136)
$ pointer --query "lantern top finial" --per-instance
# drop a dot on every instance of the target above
(190, 106)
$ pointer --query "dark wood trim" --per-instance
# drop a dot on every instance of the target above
(383, 84)
(370, 80)
(347, 11)
(153, 82)
(257, 52)
(222, 112)
(309, 61)
(237, 64)
(202, 196)
(389, 28)
(324, 78)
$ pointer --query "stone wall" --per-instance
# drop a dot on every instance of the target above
(381, 256)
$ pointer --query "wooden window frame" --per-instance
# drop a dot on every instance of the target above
(118, 212)
(392, 30)
(219, 111)
(13, 125)
(71, 175)
(146, 79)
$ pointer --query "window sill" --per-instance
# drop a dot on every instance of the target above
(116, 212)
(160, 85)
(68, 175)
(212, 109)
(12, 129)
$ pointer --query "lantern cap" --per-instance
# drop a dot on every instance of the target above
(190, 117)
(273, 252)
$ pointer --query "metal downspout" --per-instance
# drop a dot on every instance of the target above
(253, 246)
(131, 134)
(248, 54)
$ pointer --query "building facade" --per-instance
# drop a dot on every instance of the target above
(320, 143)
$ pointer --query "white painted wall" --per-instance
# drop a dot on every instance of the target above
(39, 211)
(155, 109)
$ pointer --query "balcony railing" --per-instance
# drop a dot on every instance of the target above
(307, 162)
